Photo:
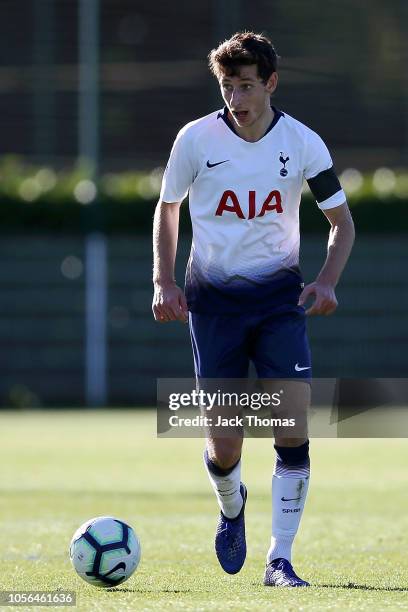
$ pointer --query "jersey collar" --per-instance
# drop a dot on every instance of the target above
(224, 116)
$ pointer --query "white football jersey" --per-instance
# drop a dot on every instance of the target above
(244, 202)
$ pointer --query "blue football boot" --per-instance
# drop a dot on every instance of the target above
(279, 572)
(230, 543)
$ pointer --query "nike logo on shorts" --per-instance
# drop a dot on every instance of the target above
(299, 368)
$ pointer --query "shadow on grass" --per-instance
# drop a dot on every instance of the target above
(362, 587)
(141, 590)
(350, 585)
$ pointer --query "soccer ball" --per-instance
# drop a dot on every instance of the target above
(105, 551)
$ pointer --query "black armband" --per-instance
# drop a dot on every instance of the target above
(324, 185)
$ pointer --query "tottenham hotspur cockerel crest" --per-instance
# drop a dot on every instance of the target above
(283, 160)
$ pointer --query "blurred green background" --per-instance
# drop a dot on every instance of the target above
(342, 72)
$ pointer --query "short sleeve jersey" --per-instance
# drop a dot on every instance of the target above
(244, 200)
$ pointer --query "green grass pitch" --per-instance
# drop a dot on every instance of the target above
(57, 469)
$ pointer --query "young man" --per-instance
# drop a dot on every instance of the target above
(243, 168)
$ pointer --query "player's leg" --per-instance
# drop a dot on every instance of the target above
(231, 494)
(220, 354)
(222, 459)
(290, 483)
(281, 350)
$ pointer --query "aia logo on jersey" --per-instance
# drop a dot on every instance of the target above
(229, 202)
(283, 160)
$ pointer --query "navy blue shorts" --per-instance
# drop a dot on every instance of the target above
(277, 344)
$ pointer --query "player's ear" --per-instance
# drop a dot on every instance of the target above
(272, 82)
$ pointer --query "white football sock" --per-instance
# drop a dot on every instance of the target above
(226, 484)
(289, 490)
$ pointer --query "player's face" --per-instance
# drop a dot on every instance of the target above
(247, 96)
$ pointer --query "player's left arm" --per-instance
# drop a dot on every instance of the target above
(341, 239)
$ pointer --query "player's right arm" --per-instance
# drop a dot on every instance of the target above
(169, 302)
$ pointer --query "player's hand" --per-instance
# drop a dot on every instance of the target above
(325, 302)
(169, 303)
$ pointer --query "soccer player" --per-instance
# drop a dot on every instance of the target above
(243, 168)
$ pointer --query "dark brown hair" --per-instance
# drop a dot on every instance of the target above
(244, 49)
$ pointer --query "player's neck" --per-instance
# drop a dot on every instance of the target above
(257, 130)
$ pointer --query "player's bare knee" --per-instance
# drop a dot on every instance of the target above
(224, 453)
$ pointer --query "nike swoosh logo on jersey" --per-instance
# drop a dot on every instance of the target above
(290, 499)
(298, 368)
(216, 164)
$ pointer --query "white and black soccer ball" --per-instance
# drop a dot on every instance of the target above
(105, 551)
